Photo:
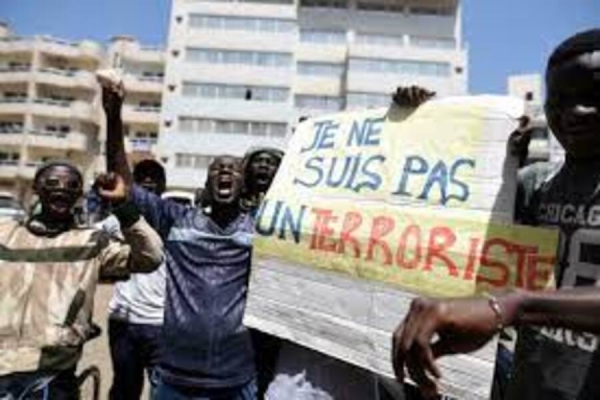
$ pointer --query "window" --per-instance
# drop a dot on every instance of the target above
(381, 40)
(319, 102)
(196, 161)
(432, 43)
(431, 10)
(408, 67)
(9, 158)
(218, 126)
(325, 3)
(272, 25)
(323, 36)
(11, 127)
(259, 58)
(380, 5)
(366, 100)
(240, 92)
(320, 68)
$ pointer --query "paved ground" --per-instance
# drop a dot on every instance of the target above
(96, 352)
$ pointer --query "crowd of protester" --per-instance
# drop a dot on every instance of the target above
(182, 276)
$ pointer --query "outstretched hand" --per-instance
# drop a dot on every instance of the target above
(434, 328)
(113, 95)
(112, 188)
(519, 140)
(411, 96)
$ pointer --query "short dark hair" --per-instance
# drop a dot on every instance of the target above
(150, 168)
(52, 164)
(580, 43)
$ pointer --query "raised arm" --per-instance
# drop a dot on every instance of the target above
(116, 157)
(465, 325)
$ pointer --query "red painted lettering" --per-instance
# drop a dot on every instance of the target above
(382, 226)
(472, 259)
(441, 238)
(352, 222)
(322, 231)
(415, 232)
(491, 271)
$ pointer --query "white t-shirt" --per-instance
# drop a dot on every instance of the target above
(141, 298)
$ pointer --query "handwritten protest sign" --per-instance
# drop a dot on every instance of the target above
(370, 208)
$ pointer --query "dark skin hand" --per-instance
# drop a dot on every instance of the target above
(411, 96)
(116, 157)
(112, 188)
(465, 325)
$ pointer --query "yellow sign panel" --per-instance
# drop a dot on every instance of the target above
(421, 201)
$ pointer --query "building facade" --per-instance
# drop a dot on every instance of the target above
(50, 105)
(240, 73)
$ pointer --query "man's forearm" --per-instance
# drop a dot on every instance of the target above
(576, 308)
(116, 158)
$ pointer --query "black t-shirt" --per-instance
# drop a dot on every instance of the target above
(556, 363)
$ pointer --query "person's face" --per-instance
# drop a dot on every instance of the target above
(58, 188)
(263, 168)
(225, 180)
(573, 104)
(151, 183)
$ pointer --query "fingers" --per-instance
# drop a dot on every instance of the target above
(412, 96)
(111, 187)
(412, 346)
(398, 356)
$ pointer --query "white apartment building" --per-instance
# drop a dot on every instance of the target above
(50, 104)
(240, 73)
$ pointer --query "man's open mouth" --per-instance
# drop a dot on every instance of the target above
(225, 186)
(60, 200)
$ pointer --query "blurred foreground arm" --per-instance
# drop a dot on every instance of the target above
(435, 327)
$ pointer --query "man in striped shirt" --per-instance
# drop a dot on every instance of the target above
(50, 270)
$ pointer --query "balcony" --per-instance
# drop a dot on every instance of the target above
(144, 84)
(28, 170)
(12, 137)
(9, 169)
(76, 141)
(141, 145)
(77, 109)
(145, 54)
(18, 74)
(14, 105)
(65, 48)
(141, 115)
(16, 44)
(66, 78)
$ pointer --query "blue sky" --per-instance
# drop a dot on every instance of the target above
(504, 36)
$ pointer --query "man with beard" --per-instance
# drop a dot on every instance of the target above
(260, 166)
(50, 270)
